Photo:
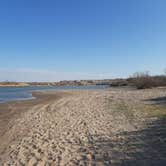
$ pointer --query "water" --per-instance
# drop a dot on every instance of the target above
(24, 93)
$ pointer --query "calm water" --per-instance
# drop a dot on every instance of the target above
(24, 93)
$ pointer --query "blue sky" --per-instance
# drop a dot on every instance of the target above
(81, 39)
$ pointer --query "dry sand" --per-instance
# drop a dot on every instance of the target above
(81, 127)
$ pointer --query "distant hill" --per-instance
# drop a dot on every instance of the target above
(112, 82)
(140, 81)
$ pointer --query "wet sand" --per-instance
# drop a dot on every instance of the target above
(11, 110)
(84, 127)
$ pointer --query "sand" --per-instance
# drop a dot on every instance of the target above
(79, 127)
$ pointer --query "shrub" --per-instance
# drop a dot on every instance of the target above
(142, 80)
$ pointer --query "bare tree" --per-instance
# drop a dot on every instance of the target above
(142, 80)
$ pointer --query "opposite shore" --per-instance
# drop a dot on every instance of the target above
(138, 80)
(60, 83)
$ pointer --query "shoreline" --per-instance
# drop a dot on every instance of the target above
(12, 109)
(29, 90)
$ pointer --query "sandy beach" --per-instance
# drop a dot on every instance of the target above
(85, 127)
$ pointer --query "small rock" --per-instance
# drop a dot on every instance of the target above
(32, 161)
(90, 156)
(41, 163)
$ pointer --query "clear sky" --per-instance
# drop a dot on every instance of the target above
(47, 40)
